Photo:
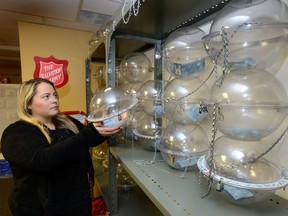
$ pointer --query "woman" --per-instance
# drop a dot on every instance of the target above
(49, 155)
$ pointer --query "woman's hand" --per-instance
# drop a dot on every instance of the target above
(106, 131)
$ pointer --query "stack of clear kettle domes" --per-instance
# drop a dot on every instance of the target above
(135, 68)
(153, 121)
(145, 122)
(184, 140)
(248, 41)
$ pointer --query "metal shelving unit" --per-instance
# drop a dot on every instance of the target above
(161, 190)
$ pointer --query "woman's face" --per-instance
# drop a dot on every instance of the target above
(44, 104)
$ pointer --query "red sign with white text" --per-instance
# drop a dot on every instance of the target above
(51, 69)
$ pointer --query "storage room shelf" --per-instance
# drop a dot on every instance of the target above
(132, 202)
(175, 194)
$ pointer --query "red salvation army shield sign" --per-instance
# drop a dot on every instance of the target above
(51, 69)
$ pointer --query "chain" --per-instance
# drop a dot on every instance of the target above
(154, 162)
(253, 160)
(210, 184)
(218, 116)
(214, 132)
(216, 111)
(269, 149)
(215, 71)
(225, 40)
(226, 67)
(230, 167)
(136, 9)
(149, 162)
(190, 93)
(132, 8)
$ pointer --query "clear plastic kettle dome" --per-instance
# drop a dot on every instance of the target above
(252, 104)
(112, 106)
(249, 174)
(237, 12)
(150, 98)
(131, 88)
(135, 67)
(252, 33)
(148, 130)
(262, 46)
(182, 145)
(184, 55)
(182, 100)
(149, 127)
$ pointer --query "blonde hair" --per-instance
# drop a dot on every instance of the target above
(26, 93)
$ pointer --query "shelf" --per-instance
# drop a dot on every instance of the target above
(157, 19)
(175, 196)
(131, 202)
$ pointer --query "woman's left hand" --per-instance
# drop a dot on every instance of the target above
(106, 131)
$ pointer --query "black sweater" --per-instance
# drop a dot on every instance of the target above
(52, 177)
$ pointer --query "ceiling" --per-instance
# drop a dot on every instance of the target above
(83, 15)
(89, 15)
